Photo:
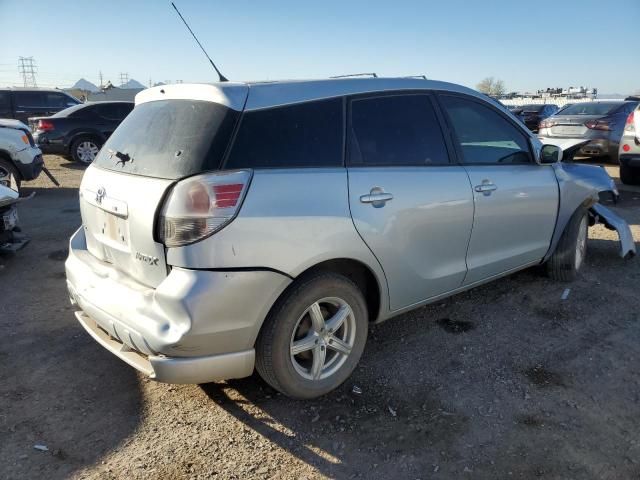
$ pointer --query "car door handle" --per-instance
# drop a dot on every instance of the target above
(377, 197)
(486, 188)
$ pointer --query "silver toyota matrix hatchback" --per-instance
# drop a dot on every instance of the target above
(234, 226)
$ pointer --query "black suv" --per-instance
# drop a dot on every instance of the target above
(22, 103)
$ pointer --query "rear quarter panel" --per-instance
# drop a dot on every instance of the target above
(291, 220)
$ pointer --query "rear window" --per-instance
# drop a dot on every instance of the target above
(590, 108)
(169, 139)
(532, 108)
(302, 135)
(77, 111)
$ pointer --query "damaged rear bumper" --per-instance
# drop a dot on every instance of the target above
(614, 222)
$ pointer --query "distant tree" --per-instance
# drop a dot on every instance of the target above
(491, 86)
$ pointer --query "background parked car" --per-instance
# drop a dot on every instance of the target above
(532, 114)
(22, 103)
(20, 157)
(629, 152)
(79, 131)
(601, 123)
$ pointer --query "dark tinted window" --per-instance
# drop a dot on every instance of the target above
(302, 135)
(170, 139)
(532, 108)
(591, 108)
(113, 111)
(484, 135)
(58, 100)
(395, 130)
(30, 99)
(5, 102)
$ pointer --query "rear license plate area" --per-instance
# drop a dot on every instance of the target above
(567, 130)
(10, 219)
(114, 229)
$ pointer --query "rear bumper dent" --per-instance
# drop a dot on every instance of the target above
(196, 326)
(190, 370)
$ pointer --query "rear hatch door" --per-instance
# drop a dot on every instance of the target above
(174, 132)
(118, 215)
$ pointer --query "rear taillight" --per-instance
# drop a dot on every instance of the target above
(546, 124)
(629, 125)
(597, 125)
(45, 125)
(200, 206)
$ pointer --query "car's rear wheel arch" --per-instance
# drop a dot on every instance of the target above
(354, 270)
(358, 273)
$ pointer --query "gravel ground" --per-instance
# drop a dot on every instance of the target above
(505, 381)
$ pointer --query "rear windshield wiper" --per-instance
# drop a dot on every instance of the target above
(122, 157)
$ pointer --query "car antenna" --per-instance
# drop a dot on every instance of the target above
(222, 77)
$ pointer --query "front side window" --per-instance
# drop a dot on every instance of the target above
(58, 100)
(301, 135)
(483, 135)
(395, 130)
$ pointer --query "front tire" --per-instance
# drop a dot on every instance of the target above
(314, 336)
(85, 149)
(566, 261)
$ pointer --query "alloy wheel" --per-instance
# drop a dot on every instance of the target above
(323, 338)
(87, 151)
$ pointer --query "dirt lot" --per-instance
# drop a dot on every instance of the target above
(505, 381)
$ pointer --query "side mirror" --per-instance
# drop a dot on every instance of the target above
(550, 154)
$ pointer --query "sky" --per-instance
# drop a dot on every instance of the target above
(530, 45)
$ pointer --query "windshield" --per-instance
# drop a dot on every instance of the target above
(591, 108)
(169, 139)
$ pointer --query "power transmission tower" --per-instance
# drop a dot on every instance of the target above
(124, 78)
(27, 68)
(101, 82)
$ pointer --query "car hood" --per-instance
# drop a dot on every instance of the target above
(15, 124)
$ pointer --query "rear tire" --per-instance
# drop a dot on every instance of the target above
(571, 251)
(629, 175)
(323, 317)
(8, 169)
(84, 149)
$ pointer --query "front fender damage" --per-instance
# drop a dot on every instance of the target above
(609, 219)
(580, 186)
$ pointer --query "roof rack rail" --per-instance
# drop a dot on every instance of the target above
(372, 74)
(416, 76)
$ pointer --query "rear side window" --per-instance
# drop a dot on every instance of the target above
(302, 135)
(484, 135)
(398, 130)
(113, 111)
(169, 139)
(30, 99)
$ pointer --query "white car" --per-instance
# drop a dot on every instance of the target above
(20, 157)
(629, 152)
